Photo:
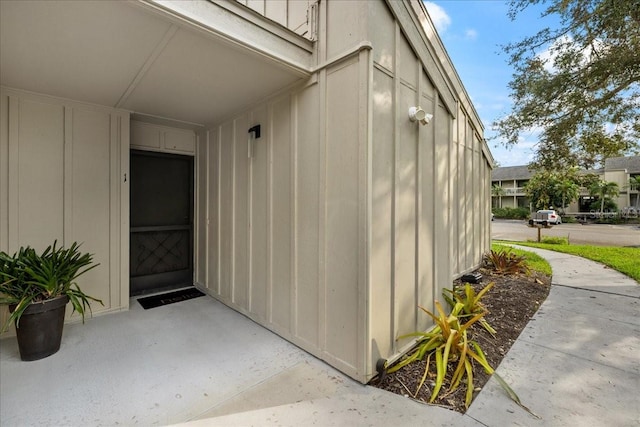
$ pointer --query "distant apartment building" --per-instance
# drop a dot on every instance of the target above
(513, 179)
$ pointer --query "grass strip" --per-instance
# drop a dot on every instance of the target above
(625, 260)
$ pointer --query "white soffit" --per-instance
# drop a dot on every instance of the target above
(199, 86)
(119, 54)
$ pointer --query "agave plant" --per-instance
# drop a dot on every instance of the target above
(27, 277)
(471, 304)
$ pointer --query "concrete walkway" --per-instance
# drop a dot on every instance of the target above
(577, 363)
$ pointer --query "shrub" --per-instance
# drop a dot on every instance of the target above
(511, 213)
(506, 262)
(569, 220)
(555, 240)
(609, 205)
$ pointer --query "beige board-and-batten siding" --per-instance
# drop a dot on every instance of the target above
(347, 215)
(63, 166)
(345, 218)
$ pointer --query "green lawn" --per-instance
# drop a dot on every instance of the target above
(624, 260)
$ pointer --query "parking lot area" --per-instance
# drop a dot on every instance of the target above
(588, 234)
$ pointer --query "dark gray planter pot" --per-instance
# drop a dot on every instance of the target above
(39, 329)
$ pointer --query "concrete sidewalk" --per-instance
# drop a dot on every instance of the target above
(576, 363)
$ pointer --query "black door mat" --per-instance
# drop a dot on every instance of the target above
(169, 298)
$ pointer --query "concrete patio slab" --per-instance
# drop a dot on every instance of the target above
(147, 367)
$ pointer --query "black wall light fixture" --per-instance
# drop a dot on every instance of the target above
(255, 130)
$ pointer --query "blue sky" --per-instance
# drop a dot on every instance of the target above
(472, 32)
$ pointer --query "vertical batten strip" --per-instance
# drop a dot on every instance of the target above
(420, 147)
(114, 175)
(365, 62)
(368, 213)
(322, 54)
(322, 210)
(232, 230)
(395, 190)
(67, 177)
(4, 172)
(437, 121)
(124, 190)
(269, 220)
(293, 254)
(13, 150)
(295, 281)
(249, 223)
(218, 288)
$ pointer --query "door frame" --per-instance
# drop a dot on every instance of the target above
(191, 227)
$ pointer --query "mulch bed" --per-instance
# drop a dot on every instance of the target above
(511, 303)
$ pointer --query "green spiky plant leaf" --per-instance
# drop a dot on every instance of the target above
(448, 340)
(471, 302)
(28, 277)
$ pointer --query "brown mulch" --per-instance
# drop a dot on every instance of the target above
(511, 303)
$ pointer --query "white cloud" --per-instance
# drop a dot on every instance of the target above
(470, 34)
(439, 17)
(550, 54)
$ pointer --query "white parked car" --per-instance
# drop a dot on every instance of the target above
(547, 215)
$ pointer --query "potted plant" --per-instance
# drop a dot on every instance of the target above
(37, 288)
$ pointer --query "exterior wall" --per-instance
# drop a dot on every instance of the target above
(344, 219)
(620, 177)
(348, 215)
(285, 239)
(63, 166)
(430, 188)
(289, 13)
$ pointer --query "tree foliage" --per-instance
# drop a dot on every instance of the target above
(578, 83)
(542, 190)
(547, 189)
(604, 190)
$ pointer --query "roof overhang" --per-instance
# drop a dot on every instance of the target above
(193, 62)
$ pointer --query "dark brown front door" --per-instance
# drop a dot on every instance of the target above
(161, 240)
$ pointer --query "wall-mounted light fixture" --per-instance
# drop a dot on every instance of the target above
(417, 114)
(254, 133)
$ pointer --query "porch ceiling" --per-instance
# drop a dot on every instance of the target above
(140, 57)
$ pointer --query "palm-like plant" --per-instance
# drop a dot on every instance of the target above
(27, 277)
(569, 191)
(603, 189)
